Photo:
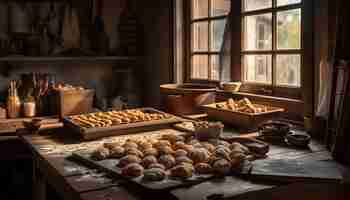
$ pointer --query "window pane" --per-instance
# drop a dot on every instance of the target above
(250, 5)
(215, 69)
(258, 68)
(288, 70)
(217, 34)
(200, 67)
(287, 2)
(220, 7)
(258, 32)
(289, 29)
(200, 36)
(200, 8)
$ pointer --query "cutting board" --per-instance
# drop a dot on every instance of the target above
(287, 170)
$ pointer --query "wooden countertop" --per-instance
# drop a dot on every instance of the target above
(74, 181)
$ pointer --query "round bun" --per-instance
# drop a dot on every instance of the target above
(128, 160)
(203, 168)
(154, 174)
(167, 160)
(117, 152)
(100, 154)
(132, 170)
(148, 160)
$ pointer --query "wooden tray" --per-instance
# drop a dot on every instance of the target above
(168, 183)
(121, 129)
(248, 121)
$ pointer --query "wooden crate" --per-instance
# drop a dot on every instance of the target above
(72, 102)
(247, 121)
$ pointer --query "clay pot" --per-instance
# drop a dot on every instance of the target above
(186, 99)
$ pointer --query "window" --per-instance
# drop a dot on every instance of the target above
(272, 43)
(207, 22)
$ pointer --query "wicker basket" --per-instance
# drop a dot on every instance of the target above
(72, 102)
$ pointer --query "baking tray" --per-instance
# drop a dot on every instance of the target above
(247, 121)
(168, 183)
(120, 129)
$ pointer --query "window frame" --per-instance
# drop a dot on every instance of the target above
(272, 89)
(306, 90)
(189, 21)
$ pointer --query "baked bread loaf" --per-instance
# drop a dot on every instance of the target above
(154, 174)
(148, 160)
(167, 160)
(100, 154)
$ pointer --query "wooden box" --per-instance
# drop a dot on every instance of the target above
(247, 121)
(72, 102)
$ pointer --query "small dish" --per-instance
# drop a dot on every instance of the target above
(298, 139)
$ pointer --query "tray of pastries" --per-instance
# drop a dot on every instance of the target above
(101, 124)
(242, 113)
(169, 160)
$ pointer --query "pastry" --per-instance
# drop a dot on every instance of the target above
(179, 145)
(117, 152)
(199, 155)
(129, 144)
(239, 148)
(156, 165)
(148, 160)
(203, 168)
(224, 143)
(128, 160)
(170, 137)
(165, 150)
(150, 151)
(167, 160)
(237, 159)
(111, 145)
(208, 146)
(144, 145)
(154, 174)
(222, 153)
(100, 153)
(183, 159)
(180, 152)
(132, 170)
(222, 167)
(182, 171)
(162, 143)
(134, 151)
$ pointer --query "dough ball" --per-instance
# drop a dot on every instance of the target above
(222, 167)
(165, 150)
(203, 168)
(128, 160)
(208, 146)
(133, 151)
(154, 174)
(180, 152)
(150, 152)
(111, 145)
(182, 171)
(132, 170)
(156, 165)
(239, 148)
(162, 143)
(199, 155)
(183, 159)
(167, 160)
(148, 160)
(117, 152)
(129, 145)
(100, 153)
(222, 153)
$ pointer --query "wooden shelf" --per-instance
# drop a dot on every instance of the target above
(11, 125)
(69, 59)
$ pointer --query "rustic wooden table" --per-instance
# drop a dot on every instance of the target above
(74, 181)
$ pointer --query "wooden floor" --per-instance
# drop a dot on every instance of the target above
(75, 181)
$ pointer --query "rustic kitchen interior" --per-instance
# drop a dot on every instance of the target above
(174, 99)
